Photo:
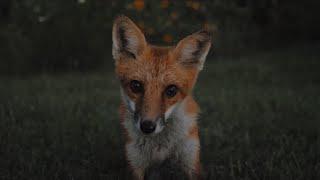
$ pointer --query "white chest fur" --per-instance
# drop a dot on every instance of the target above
(172, 142)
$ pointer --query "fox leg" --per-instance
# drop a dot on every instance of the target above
(194, 168)
(191, 154)
(135, 160)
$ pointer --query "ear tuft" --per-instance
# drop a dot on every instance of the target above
(192, 50)
(128, 40)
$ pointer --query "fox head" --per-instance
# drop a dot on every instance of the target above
(155, 80)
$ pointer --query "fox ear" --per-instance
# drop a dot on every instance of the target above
(128, 40)
(192, 50)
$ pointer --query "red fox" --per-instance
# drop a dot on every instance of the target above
(158, 113)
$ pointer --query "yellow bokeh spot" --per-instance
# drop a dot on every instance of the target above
(195, 5)
(174, 15)
(167, 38)
(164, 4)
(138, 4)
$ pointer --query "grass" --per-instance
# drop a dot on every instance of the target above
(260, 120)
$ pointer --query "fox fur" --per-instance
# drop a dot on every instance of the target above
(163, 79)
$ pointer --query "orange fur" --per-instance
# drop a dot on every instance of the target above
(156, 74)
(122, 113)
(156, 68)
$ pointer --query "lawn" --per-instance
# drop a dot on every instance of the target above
(260, 120)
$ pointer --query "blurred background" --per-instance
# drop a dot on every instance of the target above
(75, 35)
(259, 91)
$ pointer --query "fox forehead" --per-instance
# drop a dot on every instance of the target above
(156, 64)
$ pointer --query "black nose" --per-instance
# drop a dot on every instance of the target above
(147, 126)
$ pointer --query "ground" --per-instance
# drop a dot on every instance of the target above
(260, 120)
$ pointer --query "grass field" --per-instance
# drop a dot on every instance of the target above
(260, 120)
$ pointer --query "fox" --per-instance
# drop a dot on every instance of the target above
(158, 113)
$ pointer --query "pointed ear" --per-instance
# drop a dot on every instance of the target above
(128, 40)
(192, 50)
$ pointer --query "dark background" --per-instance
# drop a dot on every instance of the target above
(259, 90)
(75, 35)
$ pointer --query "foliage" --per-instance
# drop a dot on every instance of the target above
(46, 35)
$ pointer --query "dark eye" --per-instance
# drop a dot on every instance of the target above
(171, 90)
(136, 86)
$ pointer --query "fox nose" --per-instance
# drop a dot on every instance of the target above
(147, 126)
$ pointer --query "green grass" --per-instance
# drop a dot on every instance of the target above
(260, 120)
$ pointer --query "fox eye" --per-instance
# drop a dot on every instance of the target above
(136, 86)
(171, 91)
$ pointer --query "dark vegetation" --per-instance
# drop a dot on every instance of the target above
(38, 36)
(259, 90)
(260, 120)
